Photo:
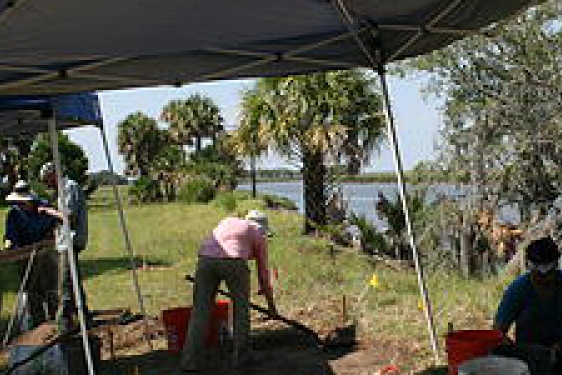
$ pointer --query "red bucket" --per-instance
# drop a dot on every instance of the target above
(468, 344)
(176, 321)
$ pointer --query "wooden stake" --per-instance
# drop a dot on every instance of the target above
(111, 344)
(344, 309)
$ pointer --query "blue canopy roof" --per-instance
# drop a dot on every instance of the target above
(68, 46)
(29, 115)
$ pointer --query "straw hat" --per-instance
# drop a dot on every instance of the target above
(259, 218)
(22, 193)
(20, 197)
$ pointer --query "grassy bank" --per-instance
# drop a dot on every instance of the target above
(311, 284)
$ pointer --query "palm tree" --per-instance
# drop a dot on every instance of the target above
(139, 141)
(248, 140)
(315, 119)
(192, 120)
(168, 165)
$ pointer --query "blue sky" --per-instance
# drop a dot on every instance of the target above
(418, 119)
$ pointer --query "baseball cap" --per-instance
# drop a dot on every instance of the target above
(542, 255)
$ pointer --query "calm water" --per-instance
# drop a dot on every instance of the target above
(360, 197)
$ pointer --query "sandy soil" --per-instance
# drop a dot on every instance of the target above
(279, 351)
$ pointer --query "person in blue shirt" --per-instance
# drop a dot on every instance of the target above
(533, 301)
(26, 225)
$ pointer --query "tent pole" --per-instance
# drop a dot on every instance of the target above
(21, 303)
(67, 244)
(126, 236)
(377, 64)
(393, 139)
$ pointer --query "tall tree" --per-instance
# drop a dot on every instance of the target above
(503, 112)
(140, 141)
(250, 140)
(192, 120)
(317, 120)
(73, 157)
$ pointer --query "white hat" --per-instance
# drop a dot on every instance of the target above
(21, 186)
(19, 197)
(259, 218)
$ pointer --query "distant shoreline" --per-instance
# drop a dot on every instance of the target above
(382, 177)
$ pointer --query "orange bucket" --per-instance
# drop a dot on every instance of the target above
(467, 344)
(176, 322)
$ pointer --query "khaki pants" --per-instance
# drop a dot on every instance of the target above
(210, 272)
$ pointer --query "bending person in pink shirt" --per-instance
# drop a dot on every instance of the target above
(224, 256)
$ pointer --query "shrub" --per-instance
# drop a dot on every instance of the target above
(372, 242)
(144, 190)
(197, 190)
(227, 201)
(274, 202)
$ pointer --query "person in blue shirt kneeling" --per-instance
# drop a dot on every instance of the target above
(533, 302)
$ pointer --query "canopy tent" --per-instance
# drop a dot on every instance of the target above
(73, 46)
(29, 115)
(59, 47)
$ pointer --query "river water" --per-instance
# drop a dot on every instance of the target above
(361, 198)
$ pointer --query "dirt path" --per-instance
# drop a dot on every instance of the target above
(281, 352)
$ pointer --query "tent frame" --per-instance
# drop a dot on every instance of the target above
(262, 58)
(377, 60)
(67, 246)
(365, 34)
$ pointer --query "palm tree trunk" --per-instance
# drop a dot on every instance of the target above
(253, 173)
(314, 176)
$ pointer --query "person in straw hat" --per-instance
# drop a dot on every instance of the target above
(224, 256)
(26, 225)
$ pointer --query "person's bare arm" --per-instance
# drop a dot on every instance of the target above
(51, 212)
(263, 274)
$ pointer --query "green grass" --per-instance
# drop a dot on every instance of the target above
(311, 282)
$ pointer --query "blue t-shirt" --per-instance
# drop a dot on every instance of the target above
(537, 320)
(27, 227)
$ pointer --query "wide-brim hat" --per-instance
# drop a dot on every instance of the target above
(20, 197)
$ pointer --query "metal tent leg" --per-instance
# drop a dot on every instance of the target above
(125, 231)
(377, 64)
(393, 139)
(67, 243)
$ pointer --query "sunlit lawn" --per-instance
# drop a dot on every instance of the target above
(311, 284)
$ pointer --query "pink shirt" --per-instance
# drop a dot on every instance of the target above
(241, 239)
